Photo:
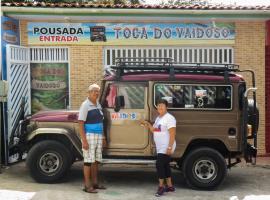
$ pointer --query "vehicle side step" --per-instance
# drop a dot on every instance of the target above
(127, 161)
(134, 161)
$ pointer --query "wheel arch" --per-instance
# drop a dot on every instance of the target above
(64, 136)
(216, 144)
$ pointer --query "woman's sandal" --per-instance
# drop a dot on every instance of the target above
(99, 187)
(90, 190)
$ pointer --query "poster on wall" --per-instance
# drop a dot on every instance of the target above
(130, 34)
(49, 86)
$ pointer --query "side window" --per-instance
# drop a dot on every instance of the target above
(133, 95)
(194, 96)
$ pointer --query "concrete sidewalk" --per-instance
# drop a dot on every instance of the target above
(243, 182)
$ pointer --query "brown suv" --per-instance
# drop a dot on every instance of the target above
(210, 102)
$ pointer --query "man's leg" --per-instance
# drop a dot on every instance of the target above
(88, 160)
(87, 174)
(98, 158)
(94, 172)
(87, 177)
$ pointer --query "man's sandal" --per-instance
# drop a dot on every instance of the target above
(99, 187)
(89, 190)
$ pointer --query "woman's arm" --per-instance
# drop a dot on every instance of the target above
(148, 125)
(172, 132)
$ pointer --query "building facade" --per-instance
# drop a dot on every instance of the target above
(210, 34)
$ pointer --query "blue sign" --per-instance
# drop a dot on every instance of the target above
(10, 34)
(40, 33)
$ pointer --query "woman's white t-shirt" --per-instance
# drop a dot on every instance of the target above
(161, 132)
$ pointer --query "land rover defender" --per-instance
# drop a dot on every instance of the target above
(217, 119)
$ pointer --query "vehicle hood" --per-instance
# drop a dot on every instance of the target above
(56, 116)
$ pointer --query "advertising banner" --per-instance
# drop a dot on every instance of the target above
(49, 86)
(130, 34)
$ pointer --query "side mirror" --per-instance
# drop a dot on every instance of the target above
(119, 103)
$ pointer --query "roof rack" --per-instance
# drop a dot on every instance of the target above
(168, 65)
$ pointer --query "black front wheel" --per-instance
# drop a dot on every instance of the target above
(48, 161)
(204, 168)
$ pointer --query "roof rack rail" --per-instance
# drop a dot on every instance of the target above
(143, 61)
(167, 64)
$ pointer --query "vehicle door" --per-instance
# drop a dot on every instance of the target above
(123, 127)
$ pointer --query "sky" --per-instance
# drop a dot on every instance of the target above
(226, 2)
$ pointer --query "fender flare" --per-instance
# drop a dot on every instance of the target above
(69, 134)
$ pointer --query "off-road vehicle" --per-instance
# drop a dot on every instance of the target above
(215, 121)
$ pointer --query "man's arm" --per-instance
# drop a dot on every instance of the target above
(85, 144)
(82, 117)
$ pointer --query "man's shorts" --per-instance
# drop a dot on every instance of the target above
(94, 153)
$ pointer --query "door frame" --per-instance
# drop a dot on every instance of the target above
(146, 108)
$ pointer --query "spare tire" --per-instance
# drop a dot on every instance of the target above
(253, 120)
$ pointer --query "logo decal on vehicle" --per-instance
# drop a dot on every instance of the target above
(124, 116)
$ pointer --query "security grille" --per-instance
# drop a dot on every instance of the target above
(213, 55)
(18, 77)
(49, 54)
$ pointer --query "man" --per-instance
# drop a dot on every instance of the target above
(91, 132)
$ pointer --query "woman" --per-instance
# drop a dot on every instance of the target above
(164, 130)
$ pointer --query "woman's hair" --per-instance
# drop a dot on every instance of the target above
(162, 101)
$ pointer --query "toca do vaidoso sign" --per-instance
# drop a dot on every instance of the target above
(49, 86)
(130, 34)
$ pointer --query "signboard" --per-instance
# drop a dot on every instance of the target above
(130, 34)
(49, 86)
(10, 34)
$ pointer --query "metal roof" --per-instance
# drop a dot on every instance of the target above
(131, 6)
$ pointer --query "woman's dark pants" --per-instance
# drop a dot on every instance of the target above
(163, 166)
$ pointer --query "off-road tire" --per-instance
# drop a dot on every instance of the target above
(200, 159)
(49, 151)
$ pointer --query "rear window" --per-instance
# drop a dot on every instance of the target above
(201, 97)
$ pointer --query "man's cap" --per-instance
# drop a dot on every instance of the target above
(93, 87)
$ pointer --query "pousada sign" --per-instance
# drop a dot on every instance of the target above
(130, 34)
